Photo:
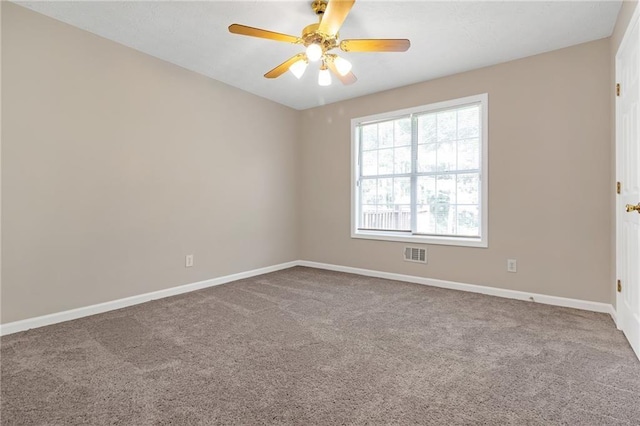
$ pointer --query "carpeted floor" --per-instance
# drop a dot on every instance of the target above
(305, 346)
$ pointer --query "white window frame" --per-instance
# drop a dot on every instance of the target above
(482, 241)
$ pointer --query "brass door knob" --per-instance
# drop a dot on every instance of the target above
(631, 207)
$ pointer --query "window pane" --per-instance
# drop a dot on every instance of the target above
(425, 219)
(368, 190)
(368, 216)
(402, 130)
(427, 158)
(427, 131)
(435, 197)
(401, 217)
(369, 137)
(426, 189)
(442, 216)
(469, 122)
(468, 189)
(369, 163)
(385, 192)
(468, 221)
(446, 156)
(469, 154)
(402, 160)
(385, 161)
(434, 217)
(385, 134)
(446, 188)
(402, 190)
(392, 218)
(446, 125)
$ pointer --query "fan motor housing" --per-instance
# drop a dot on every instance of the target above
(311, 35)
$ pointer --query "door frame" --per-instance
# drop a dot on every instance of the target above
(617, 207)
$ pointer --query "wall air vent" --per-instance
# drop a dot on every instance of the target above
(415, 254)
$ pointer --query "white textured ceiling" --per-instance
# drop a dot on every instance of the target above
(446, 38)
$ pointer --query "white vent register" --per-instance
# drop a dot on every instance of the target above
(415, 254)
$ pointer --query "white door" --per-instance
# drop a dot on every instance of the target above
(628, 176)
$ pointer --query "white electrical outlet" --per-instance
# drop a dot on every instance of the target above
(512, 265)
(188, 261)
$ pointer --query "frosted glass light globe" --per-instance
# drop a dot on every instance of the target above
(324, 78)
(342, 65)
(314, 52)
(298, 68)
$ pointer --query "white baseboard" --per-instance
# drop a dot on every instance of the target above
(14, 327)
(492, 291)
(614, 315)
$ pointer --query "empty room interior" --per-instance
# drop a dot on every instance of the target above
(328, 212)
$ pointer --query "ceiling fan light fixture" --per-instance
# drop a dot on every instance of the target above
(324, 77)
(319, 40)
(342, 65)
(314, 52)
(298, 68)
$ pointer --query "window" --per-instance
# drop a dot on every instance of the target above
(420, 175)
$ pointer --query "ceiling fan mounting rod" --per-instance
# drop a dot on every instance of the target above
(319, 6)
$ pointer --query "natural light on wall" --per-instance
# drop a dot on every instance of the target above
(418, 174)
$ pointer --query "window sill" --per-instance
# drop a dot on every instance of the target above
(415, 239)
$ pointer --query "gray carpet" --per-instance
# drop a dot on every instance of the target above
(305, 346)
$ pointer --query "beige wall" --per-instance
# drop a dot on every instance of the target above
(549, 177)
(624, 17)
(115, 165)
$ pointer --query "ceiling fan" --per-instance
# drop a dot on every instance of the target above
(319, 39)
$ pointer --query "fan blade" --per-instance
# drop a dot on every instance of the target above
(347, 79)
(375, 45)
(334, 16)
(284, 67)
(257, 32)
